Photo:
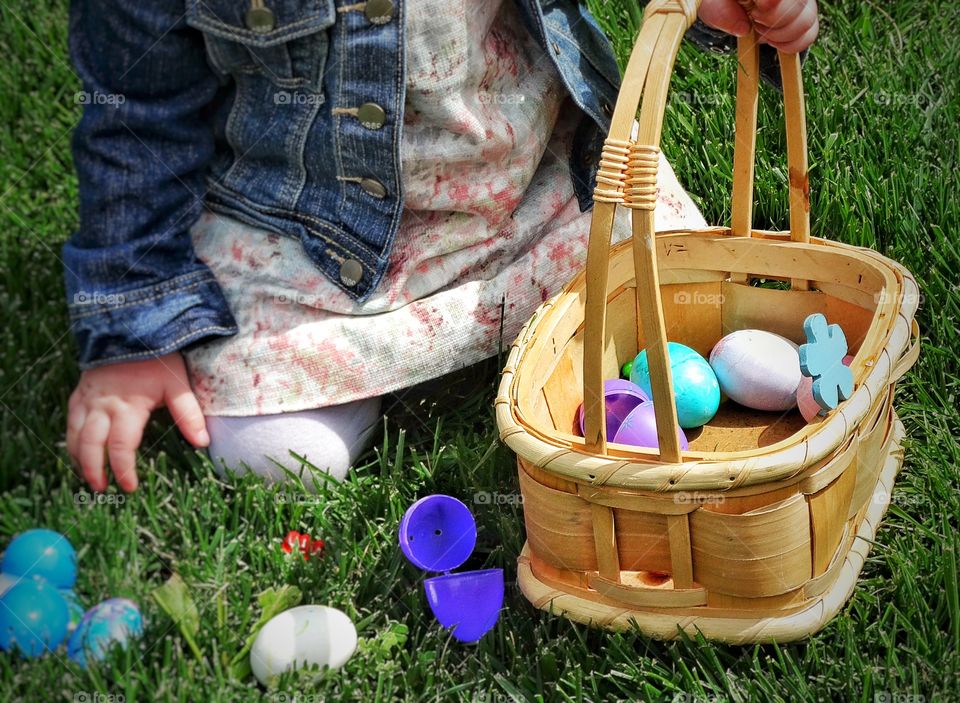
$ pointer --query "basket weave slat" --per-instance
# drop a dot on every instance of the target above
(759, 530)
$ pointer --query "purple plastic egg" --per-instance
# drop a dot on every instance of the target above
(639, 429)
(438, 533)
(620, 398)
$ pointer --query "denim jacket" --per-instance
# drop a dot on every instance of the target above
(229, 104)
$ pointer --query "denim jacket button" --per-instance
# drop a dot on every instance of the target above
(373, 187)
(350, 272)
(379, 11)
(260, 19)
(371, 115)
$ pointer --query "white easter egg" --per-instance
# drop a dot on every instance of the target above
(302, 636)
(758, 369)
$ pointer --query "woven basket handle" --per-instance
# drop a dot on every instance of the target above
(744, 155)
(627, 177)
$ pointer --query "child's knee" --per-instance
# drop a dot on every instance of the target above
(330, 438)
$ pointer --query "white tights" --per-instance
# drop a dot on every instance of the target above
(330, 438)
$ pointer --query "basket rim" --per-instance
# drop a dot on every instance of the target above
(640, 469)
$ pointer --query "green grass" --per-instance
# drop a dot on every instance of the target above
(883, 115)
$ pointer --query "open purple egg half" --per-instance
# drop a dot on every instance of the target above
(468, 602)
(438, 533)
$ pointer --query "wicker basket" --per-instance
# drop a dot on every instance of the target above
(759, 530)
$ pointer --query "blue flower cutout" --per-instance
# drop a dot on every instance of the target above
(821, 358)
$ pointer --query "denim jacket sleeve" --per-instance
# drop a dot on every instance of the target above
(135, 287)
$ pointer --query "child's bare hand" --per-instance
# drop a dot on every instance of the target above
(110, 407)
(789, 25)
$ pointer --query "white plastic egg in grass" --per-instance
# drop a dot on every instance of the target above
(758, 369)
(301, 637)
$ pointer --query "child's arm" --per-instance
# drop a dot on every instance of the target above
(789, 25)
(136, 291)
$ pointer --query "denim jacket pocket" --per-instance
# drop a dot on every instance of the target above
(288, 47)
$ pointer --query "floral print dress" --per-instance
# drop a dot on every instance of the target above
(490, 229)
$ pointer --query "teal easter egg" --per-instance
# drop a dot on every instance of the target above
(33, 617)
(115, 621)
(41, 552)
(695, 387)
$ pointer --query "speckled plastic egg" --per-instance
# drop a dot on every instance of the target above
(303, 636)
(695, 387)
(114, 621)
(758, 369)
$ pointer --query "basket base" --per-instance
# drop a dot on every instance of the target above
(739, 630)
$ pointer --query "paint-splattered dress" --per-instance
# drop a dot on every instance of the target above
(490, 225)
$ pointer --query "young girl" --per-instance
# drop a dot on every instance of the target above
(291, 207)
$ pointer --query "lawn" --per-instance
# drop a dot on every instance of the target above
(883, 116)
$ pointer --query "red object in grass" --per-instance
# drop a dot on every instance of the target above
(303, 543)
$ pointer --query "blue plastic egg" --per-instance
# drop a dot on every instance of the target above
(33, 617)
(114, 621)
(695, 386)
(43, 553)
